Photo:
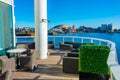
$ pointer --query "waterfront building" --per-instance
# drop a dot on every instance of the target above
(70, 30)
(82, 29)
(111, 27)
(86, 29)
(106, 28)
(73, 29)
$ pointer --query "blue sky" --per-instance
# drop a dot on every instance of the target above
(68, 12)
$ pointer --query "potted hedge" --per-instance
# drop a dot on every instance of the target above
(93, 62)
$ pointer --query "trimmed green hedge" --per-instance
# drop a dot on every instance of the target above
(93, 59)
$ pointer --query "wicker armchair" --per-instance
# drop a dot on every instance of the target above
(26, 45)
(29, 61)
(23, 46)
(7, 65)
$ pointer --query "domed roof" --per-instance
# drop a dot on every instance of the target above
(61, 26)
(64, 26)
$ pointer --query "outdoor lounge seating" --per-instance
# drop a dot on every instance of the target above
(50, 45)
(7, 65)
(23, 46)
(66, 46)
(28, 61)
(71, 46)
(70, 63)
(30, 45)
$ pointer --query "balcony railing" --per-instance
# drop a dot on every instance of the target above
(112, 59)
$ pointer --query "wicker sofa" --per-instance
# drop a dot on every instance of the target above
(31, 45)
(70, 63)
(71, 46)
(66, 46)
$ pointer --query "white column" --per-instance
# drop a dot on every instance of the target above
(14, 36)
(40, 7)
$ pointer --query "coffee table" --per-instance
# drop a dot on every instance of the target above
(17, 53)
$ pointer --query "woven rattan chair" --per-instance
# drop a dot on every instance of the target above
(29, 61)
(7, 65)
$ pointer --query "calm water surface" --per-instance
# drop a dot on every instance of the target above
(115, 37)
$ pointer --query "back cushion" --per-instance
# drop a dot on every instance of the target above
(50, 42)
(24, 46)
(76, 45)
(31, 45)
(68, 42)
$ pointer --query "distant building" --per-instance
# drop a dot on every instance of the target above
(82, 29)
(86, 29)
(111, 27)
(25, 30)
(70, 30)
(103, 27)
(106, 28)
(73, 29)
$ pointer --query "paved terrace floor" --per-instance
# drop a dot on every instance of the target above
(48, 69)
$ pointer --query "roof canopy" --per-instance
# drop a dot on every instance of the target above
(10, 2)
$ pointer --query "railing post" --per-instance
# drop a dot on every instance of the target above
(72, 38)
(63, 39)
(81, 40)
(108, 44)
(99, 42)
(91, 41)
(54, 40)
